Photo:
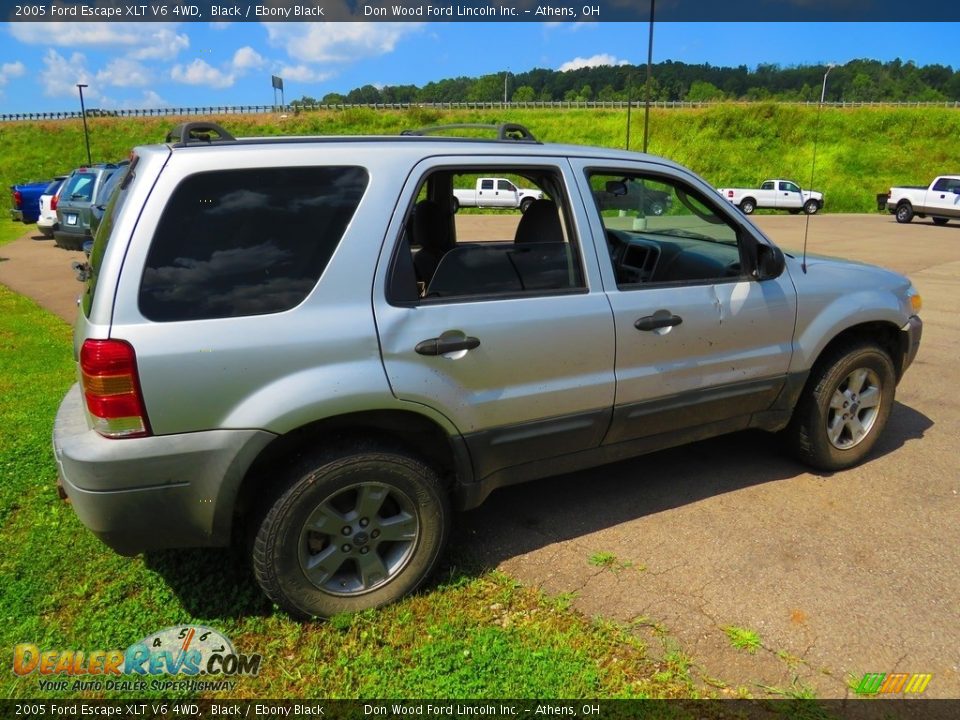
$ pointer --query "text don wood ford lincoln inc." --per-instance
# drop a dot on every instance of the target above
(197, 658)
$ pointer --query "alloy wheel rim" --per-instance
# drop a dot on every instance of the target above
(358, 539)
(854, 408)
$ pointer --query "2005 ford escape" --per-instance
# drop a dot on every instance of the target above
(295, 340)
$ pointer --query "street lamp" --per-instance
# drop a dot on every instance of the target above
(823, 91)
(86, 133)
(505, 76)
(646, 110)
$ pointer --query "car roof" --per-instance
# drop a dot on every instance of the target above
(513, 139)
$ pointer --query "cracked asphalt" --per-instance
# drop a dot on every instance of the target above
(837, 574)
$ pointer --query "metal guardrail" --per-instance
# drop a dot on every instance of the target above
(559, 105)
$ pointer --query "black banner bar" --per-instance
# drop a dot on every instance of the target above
(474, 10)
(853, 709)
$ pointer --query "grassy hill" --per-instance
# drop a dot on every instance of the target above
(861, 151)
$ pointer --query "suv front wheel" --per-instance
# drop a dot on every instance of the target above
(353, 530)
(844, 407)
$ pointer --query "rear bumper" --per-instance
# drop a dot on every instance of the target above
(910, 341)
(152, 493)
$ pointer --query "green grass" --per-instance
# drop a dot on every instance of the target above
(743, 639)
(10, 230)
(470, 634)
(861, 151)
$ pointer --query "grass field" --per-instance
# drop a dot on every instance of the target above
(472, 634)
(861, 151)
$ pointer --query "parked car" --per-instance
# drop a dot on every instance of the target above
(25, 200)
(264, 353)
(494, 192)
(74, 203)
(940, 200)
(775, 194)
(47, 221)
(104, 193)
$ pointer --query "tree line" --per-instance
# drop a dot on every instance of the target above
(856, 81)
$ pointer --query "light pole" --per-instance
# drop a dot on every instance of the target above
(823, 91)
(86, 133)
(646, 110)
(505, 76)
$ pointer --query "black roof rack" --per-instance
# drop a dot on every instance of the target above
(511, 132)
(193, 133)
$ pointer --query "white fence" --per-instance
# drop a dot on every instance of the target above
(560, 105)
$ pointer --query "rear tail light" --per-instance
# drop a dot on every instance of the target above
(17, 199)
(729, 193)
(53, 202)
(111, 389)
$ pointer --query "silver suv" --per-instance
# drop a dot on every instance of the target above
(295, 341)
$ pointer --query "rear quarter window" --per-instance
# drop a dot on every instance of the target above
(232, 243)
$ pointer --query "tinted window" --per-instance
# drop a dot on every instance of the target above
(53, 187)
(789, 187)
(79, 187)
(246, 242)
(505, 185)
(486, 184)
(767, 186)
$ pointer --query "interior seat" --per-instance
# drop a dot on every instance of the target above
(540, 223)
(430, 229)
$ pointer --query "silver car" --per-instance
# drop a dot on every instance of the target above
(295, 340)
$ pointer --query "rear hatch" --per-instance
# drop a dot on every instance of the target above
(73, 206)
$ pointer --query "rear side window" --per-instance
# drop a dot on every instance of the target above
(246, 242)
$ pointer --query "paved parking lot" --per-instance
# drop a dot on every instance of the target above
(838, 575)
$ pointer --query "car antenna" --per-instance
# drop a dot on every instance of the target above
(813, 164)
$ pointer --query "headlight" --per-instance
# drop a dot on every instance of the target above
(916, 302)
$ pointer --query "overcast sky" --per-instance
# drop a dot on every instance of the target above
(188, 64)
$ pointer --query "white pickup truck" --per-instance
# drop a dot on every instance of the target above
(495, 192)
(775, 195)
(941, 200)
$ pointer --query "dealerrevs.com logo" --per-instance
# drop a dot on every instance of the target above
(189, 657)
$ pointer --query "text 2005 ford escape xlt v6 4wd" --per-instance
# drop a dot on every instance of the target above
(296, 342)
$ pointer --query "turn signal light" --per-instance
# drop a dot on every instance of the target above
(111, 389)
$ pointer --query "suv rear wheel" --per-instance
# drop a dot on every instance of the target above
(354, 529)
(844, 407)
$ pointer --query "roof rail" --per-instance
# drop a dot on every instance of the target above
(192, 133)
(509, 132)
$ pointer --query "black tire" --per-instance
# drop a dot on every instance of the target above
(349, 566)
(940, 220)
(454, 205)
(810, 207)
(748, 205)
(47, 233)
(656, 208)
(904, 212)
(809, 433)
(525, 204)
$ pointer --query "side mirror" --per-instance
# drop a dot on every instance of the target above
(770, 262)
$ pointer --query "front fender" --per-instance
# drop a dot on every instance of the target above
(816, 329)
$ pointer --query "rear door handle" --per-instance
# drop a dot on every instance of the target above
(660, 319)
(442, 346)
